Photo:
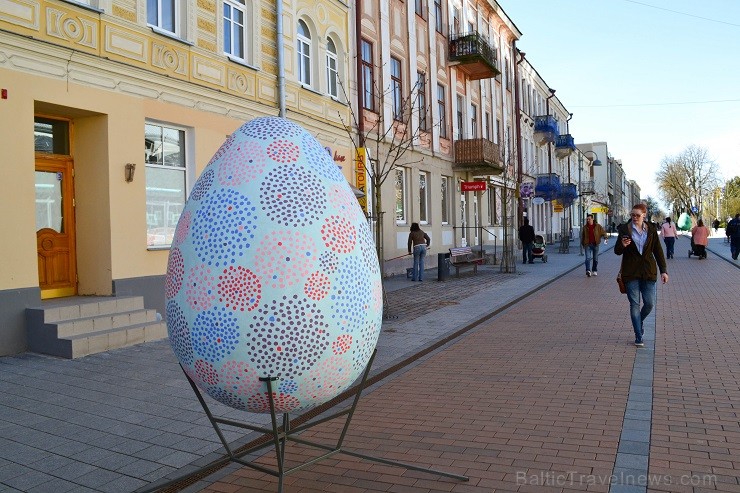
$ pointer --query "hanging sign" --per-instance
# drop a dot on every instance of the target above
(538, 201)
(473, 186)
(361, 177)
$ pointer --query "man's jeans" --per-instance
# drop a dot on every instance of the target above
(527, 252)
(636, 288)
(592, 256)
(420, 251)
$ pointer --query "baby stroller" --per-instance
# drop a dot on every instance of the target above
(697, 250)
(538, 248)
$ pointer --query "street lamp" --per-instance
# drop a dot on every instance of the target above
(548, 231)
(595, 162)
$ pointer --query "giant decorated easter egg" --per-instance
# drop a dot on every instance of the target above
(273, 273)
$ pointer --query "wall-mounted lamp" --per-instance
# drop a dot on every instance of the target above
(129, 172)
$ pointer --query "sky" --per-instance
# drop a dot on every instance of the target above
(648, 77)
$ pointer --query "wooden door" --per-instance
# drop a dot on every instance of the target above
(55, 226)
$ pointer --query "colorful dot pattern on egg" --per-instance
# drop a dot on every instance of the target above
(273, 273)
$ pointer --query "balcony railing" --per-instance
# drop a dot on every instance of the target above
(564, 145)
(474, 56)
(548, 186)
(545, 129)
(587, 187)
(478, 155)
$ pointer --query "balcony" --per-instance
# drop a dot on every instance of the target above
(587, 187)
(564, 146)
(568, 194)
(548, 186)
(545, 129)
(478, 155)
(474, 56)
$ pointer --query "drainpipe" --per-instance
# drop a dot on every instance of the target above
(518, 122)
(360, 81)
(280, 59)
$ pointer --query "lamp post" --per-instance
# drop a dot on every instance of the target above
(548, 231)
(582, 218)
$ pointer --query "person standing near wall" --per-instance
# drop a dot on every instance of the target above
(419, 241)
(639, 245)
(591, 235)
(733, 231)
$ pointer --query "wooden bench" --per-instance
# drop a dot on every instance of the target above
(461, 257)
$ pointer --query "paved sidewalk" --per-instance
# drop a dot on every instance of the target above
(122, 420)
(551, 395)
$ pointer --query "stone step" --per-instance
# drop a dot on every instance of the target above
(76, 327)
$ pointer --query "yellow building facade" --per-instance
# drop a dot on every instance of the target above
(111, 108)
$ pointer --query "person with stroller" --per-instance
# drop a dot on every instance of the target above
(669, 232)
(526, 236)
(418, 243)
(591, 235)
(699, 239)
(642, 256)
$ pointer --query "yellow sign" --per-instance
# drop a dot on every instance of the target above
(557, 206)
(602, 208)
(361, 176)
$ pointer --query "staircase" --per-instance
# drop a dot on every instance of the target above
(79, 326)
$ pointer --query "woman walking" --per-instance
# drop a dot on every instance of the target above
(418, 243)
(642, 256)
(668, 230)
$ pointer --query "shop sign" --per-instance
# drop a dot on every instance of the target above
(361, 177)
(473, 186)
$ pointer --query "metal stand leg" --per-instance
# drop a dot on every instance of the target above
(281, 435)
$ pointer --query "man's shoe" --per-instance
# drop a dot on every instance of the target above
(639, 343)
(594, 273)
(588, 273)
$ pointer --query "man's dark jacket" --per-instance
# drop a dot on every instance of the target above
(634, 265)
(526, 233)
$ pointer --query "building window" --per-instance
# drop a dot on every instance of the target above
(441, 108)
(303, 40)
(460, 118)
(488, 126)
(400, 195)
(419, 7)
(235, 16)
(455, 20)
(446, 190)
(368, 76)
(438, 21)
(424, 190)
(166, 169)
(421, 88)
(473, 121)
(397, 88)
(164, 14)
(332, 69)
(493, 205)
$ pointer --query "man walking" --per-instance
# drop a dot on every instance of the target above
(591, 235)
(733, 231)
(526, 236)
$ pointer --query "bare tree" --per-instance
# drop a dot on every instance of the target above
(686, 179)
(388, 142)
(655, 213)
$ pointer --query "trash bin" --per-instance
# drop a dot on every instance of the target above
(443, 266)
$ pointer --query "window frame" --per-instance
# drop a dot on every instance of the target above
(169, 219)
(460, 117)
(438, 16)
(473, 121)
(158, 16)
(445, 193)
(397, 88)
(228, 26)
(442, 110)
(401, 196)
(425, 179)
(303, 53)
(421, 98)
(368, 75)
(332, 72)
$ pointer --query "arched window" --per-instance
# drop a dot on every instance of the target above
(332, 69)
(304, 53)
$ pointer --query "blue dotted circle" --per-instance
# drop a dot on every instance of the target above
(215, 334)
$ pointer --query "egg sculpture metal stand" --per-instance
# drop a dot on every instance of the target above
(273, 289)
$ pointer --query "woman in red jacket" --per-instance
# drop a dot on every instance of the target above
(642, 256)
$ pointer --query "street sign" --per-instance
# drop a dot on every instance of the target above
(538, 201)
(694, 209)
(473, 186)
(557, 206)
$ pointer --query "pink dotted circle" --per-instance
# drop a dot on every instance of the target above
(328, 378)
(283, 151)
(244, 164)
(206, 372)
(200, 288)
(339, 234)
(285, 258)
(240, 378)
(175, 272)
(342, 198)
(239, 288)
(317, 286)
(182, 230)
(260, 403)
(342, 344)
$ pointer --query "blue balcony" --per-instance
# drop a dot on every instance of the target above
(474, 56)
(564, 146)
(568, 194)
(548, 186)
(545, 129)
